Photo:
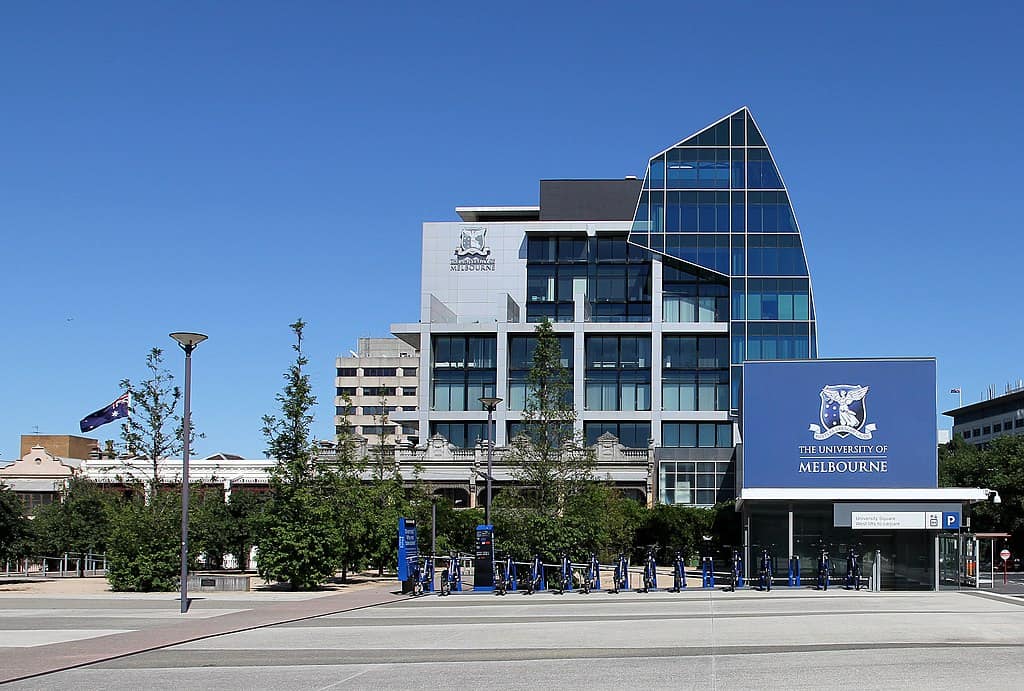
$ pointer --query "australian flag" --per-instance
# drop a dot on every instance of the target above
(121, 408)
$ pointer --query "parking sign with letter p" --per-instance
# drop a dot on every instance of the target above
(950, 520)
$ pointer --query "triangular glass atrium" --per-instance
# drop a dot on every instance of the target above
(716, 204)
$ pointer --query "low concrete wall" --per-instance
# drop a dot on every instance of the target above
(217, 582)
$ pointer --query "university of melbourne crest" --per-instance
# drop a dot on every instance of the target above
(472, 252)
(843, 412)
(471, 243)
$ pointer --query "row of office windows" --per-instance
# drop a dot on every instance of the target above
(772, 341)
(574, 249)
(615, 275)
(368, 409)
(687, 298)
(520, 361)
(713, 168)
(622, 292)
(635, 435)
(604, 283)
(715, 212)
(757, 255)
(377, 371)
(382, 391)
(618, 368)
(994, 428)
(695, 374)
(771, 299)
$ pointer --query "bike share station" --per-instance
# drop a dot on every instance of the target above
(837, 486)
(838, 469)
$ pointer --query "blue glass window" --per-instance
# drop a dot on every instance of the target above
(777, 340)
(775, 255)
(782, 298)
(635, 435)
(698, 169)
(761, 172)
(697, 434)
(461, 434)
(656, 180)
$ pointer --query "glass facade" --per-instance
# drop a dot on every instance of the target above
(614, 275)
(618, 373)
(703, 483)
(665, 307)
(717, 202)
(520, 359)
(464, 370)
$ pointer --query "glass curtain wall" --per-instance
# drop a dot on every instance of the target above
(617, 276)
(465, 368)
(520, 360)
(618, 375)
(716, 201)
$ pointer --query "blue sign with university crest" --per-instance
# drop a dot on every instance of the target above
(808, 423)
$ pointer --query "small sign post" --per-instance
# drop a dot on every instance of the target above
(1005, 556)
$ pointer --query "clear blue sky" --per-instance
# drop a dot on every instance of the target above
(227, 167)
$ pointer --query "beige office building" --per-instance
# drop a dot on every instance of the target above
(371, 384)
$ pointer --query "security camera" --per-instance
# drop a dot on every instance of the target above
(993, 496)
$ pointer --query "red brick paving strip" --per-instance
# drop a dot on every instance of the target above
(43, 659)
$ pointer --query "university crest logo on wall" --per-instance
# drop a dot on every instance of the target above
(472, 243)
(843, 412)
(472, 252)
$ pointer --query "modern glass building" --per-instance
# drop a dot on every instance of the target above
(659, 289)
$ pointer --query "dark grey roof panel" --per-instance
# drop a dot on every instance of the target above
(589, 200)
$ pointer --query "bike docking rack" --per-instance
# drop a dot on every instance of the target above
(707, 573)
(678, 574)
(422, 572)
(794, 572)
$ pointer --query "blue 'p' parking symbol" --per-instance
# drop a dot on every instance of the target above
(950, 520)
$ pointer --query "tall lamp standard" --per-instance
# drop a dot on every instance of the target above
(188, 343)
(489, 404)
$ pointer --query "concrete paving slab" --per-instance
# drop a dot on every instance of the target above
(798, 639)
(42, 659)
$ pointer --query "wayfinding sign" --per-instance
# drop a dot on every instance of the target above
(483, 560)
(408, 547)
(904, 520)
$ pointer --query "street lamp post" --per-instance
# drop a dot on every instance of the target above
(490, 404)
(188, 342)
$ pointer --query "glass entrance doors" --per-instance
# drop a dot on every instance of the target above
(950, 561)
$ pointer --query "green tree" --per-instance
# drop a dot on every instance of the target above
(144, 547)
(549, 462)
(350, 504)
(222, 527)
(14, 526)
(383, 501)
(298, 539)
(155, 429)
(998, 466)
(79, 522)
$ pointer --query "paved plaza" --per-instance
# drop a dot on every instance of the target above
(697, 639)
